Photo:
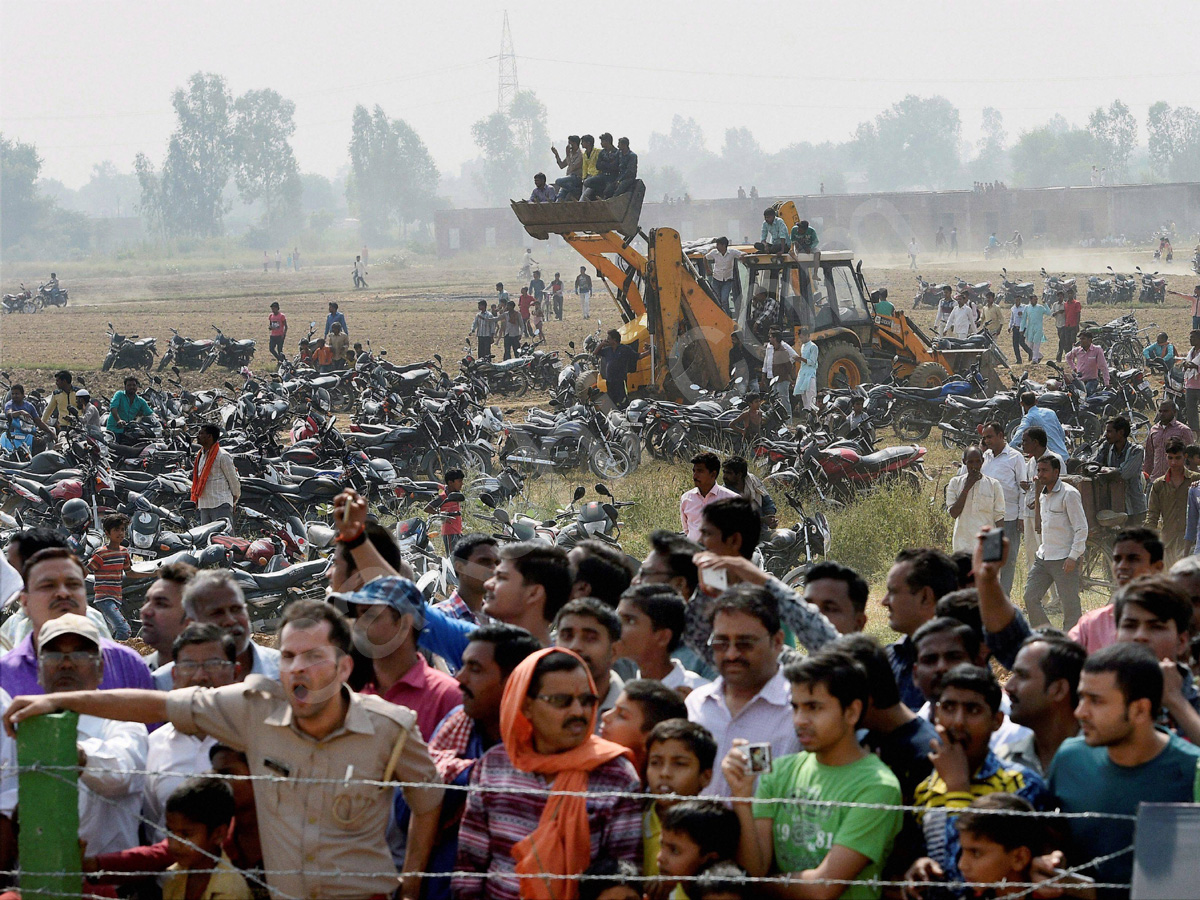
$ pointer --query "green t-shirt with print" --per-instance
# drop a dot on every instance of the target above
(805, 833)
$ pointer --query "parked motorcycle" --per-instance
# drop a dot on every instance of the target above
(578, 436)
(1052, 284)
(928, 293)
(129, 352)
(185, 352)
(1099, 290)
(229, 353)
(23, 301)
(1011, 291)
(916, 410)
(1154, 289)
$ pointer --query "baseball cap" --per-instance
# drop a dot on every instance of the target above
(398, 593)
(70, 623)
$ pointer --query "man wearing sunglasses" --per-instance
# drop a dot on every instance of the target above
(751, 699)
(547, 725)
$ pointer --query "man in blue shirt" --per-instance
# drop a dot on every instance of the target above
(1121, 760)
(1056, 438)
(774, 238)
(25, 417)
(126, 407)
(1162, 349)
(335, 316)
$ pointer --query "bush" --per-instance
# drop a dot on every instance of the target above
(869, 533)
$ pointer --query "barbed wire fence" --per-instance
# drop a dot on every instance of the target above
(65, 775)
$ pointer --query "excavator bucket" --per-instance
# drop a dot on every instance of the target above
(619, 214)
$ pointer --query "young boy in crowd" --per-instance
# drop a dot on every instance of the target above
(841, 843)
(695, 835)
(450, 510)
(640, 706)
(679, 760)
(199, 812)
(998, 848)
(966, 713)
(653, 617)
(110, 564)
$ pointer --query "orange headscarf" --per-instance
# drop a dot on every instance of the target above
(561, 844)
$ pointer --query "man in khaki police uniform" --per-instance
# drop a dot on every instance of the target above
(308, 724)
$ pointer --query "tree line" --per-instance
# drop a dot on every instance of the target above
(392, 181)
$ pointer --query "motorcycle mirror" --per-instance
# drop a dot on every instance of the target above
(501, 515)
(157, 379)
(602, 489)
(571, 344)
(230, 386)
(487, 500)
(438, 357)
(579, 492)
(456, 497)
(610, 511)
(72, 410)
(312, 324)
(175, 369)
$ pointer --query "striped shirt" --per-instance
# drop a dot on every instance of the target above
(942, 805)
(109, 568)
(493, 822)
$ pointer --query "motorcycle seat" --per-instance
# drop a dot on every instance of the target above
(534, 428)
(974, 342)
(324, 381)
(506, 364)
(919, 393)
(285, 578)
(780, 539)
(966, 401)
(49, 478)
(981, 287)
(882, 458)
(201, 533)
(34, 488)
(246, 344)
(269, 487)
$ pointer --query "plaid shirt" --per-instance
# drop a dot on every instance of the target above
(454, 607)
(493, 822)
(766, 315)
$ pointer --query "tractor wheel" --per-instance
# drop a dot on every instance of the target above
(929, 374)
(841, 365)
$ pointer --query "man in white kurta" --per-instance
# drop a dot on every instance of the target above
(973, 500)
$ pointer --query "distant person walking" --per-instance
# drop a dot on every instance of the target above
(360, 272)
(954, 242)
(556, 294)
(912, 254)
(277, 323)
(278, 261)
(484, 328)
(1034, 325)
(583, 289)
(266, 261)
(296, 258)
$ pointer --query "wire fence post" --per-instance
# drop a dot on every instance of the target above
(49, 806)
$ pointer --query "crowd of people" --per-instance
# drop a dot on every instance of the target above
(591, 172)
(567, 724)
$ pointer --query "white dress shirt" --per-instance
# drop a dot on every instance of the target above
(961, 321)
(173, 757)
(722, 264)
(1064, 524)
(1009, 469)
(110, 798)
(769, 360)
(984, 506)
(766, 719)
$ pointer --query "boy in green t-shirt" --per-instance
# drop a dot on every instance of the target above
(815, 843)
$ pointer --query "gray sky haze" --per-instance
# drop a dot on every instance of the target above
(90, 80)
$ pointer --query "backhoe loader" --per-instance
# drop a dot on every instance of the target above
(669, 307)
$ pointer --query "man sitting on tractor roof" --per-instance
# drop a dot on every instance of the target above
(774, 237)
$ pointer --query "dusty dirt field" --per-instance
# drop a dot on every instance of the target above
(422, 308)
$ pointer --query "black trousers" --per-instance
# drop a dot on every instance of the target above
(485, 346)
(1018, 342)
(511, 346)
(275, 345)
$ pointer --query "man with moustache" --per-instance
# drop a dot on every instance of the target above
(163, 618)
(547, 725)
(308, 725)
(470, 730)
(214, 596)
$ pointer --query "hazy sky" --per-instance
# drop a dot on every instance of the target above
(89, 80)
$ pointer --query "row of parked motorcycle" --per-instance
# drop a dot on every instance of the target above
(27, 301)
(1116, 289)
